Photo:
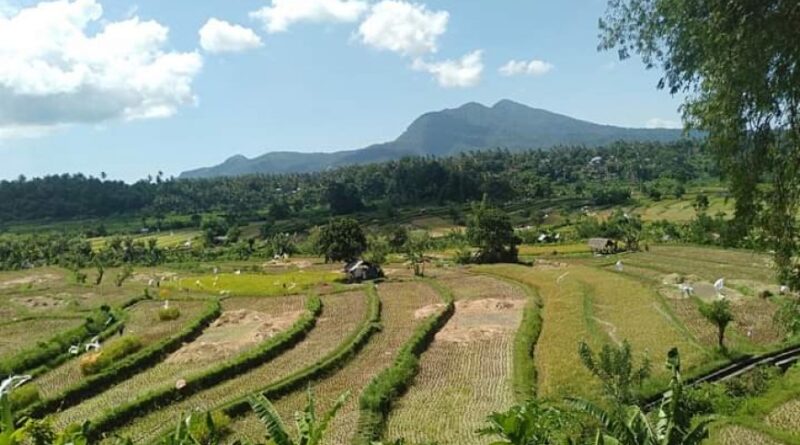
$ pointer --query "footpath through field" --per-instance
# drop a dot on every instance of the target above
(467, 371)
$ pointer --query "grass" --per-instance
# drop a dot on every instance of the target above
(399, 301)
(465, 380)
(263, 285)
(551, 249)
(142, 322)
(341, 315)
(168, 372)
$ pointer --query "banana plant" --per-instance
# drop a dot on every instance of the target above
(310, 429)
(634, 427)
(9, 433)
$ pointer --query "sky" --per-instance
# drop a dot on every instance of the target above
(130, 88)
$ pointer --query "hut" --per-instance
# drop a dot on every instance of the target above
(360, 270)
(602, 245)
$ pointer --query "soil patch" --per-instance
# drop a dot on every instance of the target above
(30, 279)
(549, 265)
(427, 311)
(476, 320)
(232, 332)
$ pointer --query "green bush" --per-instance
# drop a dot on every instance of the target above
(109, 354)
(202, 432)
(24, 396)
(169, 313)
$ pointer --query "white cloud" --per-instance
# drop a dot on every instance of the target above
(283, 13)
(662, 123)
(530, 68)
(462, 73)
(219, 36)
(406, 28)
(54, 72)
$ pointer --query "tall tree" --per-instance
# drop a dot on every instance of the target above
(738, 64)
(342, 240)
(490, 230)
(719, 314)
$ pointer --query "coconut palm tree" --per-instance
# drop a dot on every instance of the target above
(634, 427)
(310, 429)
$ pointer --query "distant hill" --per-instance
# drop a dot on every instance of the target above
(472, 126)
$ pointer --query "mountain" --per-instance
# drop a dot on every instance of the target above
(472, 126)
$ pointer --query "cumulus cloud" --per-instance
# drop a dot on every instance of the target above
(219, 36)
(463, 73)
(406, 28)
(662, 123)
(53, 71)
(280, 14)
(523, 67)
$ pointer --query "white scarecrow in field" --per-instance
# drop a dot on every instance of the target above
(784, 289)
(93, 345)
(13, 382)
(75, 349)
(719, 285)
(686, 289)
(166, 304)
(619, 266)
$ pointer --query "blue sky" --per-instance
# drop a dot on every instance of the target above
(319, 75)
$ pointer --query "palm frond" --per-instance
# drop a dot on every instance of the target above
(266, 413)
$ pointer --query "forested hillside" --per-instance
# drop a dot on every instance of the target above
(501, 175)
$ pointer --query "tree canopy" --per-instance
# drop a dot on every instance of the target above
(738, 63)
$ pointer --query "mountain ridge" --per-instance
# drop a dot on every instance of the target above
(472, 126)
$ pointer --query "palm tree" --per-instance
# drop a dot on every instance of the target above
(309, 429)
(673, 427)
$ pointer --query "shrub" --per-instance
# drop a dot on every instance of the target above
(24, 396)
(110, 354)
(169, 313)
(204, 431)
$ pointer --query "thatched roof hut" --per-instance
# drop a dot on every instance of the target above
(602, 245)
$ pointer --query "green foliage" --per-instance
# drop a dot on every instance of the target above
(615, 368)
(524, 376)
(417, 243)
(169, 313)
(209, 428)
(719, 314)
(630, 425)
(788, 315)
(626, 227)
(532, 423)
(342, 240)
(24, 396)
(110, 354)
(343, 198)
(214, 228)
(490, 230)
(736, 64)
(378, 249)
(122, 275)
(310, 429)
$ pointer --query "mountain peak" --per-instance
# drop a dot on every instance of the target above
(472, 126)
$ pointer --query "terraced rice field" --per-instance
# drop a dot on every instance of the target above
(143, 323)
(341, 316)
(403, 305)
(786, 416)
(261, 285)
(738, 435)
(232, 334)
(467, 370)
(25, 334)
(597, 306)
